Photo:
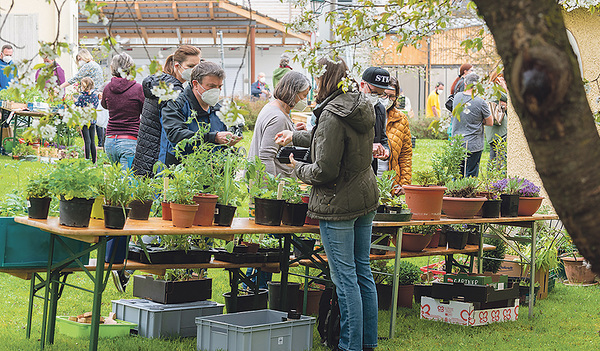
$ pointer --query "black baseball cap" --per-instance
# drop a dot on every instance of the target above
(377, 77)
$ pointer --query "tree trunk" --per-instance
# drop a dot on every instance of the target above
(548, 94)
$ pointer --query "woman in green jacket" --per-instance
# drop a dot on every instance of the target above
(344, 197)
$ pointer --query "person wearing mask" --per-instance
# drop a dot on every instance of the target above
(403, 104)
(398, 133)
(89, 68)
(284, 67)
(459, 85)
(88, 97)
(343, 197)
(58, 74)
(432, 110)
(123, 98)
(470, 126)
(201, 96)
(374, 82)
(260, 89)
(290, 94)
(6, 60)
(177, 70)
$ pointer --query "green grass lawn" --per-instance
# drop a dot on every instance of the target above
(569, 319)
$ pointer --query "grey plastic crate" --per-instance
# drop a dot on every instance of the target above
(157, 320)
(261, 330)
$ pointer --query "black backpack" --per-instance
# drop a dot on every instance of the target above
(328, 321)
(449, 103)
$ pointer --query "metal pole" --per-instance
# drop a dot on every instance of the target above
(222, 51)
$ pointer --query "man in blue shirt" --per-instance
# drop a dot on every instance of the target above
(6, 60)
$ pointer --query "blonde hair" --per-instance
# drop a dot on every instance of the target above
(84, 55)
(86, 84)
(179, 56)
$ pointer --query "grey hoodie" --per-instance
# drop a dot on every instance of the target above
(343, 182)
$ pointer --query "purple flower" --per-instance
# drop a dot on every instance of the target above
(527, 189)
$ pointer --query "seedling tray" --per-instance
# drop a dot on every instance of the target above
(172, 292)
(472, 293)
(300, 154)
(233, 257)
(159, 255)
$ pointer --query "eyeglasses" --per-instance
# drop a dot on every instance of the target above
(376, 94)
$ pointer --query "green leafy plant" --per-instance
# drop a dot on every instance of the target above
(425, 177)
(21, 149)
(117, 187)
(228, 188)
(292, 192)
(462, 187)
(419, 229)
(385, 184)
(182, 186)
(145, 188)
(261, 183)
(446, 164)
(38, 186)
(76, 177)
(409, 273)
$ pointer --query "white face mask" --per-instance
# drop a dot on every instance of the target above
(186, 74)
(300, 105)
(384, 102)
(211, 96)
(389, 104)
(372, 99)
(263, 80)
(7, 59)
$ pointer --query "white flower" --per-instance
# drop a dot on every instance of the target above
(93, 19)
(48, 131)
(164, 92)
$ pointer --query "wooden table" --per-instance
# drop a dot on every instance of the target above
(14, 118)
(97, 235)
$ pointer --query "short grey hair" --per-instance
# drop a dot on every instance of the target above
(121, 65)
(284, 60)
(471, 78)
(289, 86)
(207, 68)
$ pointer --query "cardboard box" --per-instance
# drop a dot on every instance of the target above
(498, 281)
(513, 268)
(464, 313)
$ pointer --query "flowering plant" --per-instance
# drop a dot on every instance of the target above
(516, 186)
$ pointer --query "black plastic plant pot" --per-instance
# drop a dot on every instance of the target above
(294, 214)
(38, 207)
(456, 239)
(308, 246)
(115, 216)
(159, 255)
(75, 212)
(510, 205)
(224, 215)
(117, 245)
(491, 209)
(268, 211)
(140, 210)
(294, 296)
(249, 302)
(169, 292)
(381, 209)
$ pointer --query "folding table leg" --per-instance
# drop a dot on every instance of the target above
(53, 281)
(30, 305)
(98, 289)
(284, 267)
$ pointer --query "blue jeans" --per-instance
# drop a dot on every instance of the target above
(472, 164)
(120, 150)
(347, 245)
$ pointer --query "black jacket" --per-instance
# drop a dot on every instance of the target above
(380, 136)
(148, 145)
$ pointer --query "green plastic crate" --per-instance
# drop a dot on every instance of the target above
(82, 330)
(498, 281)
(22, 246)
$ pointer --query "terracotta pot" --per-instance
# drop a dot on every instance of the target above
(425, 202)
(529, 205)
(183, 215)
(435, 239)
(576, 272)
(312, 302)
(415, 242)
(462, 207)
(166, 211)
(206, 209)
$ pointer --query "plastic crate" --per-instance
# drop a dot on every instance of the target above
(157, 320)
(22, 246)
(82, 330)
(261, 330)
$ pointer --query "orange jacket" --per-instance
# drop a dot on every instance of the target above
(398, 134)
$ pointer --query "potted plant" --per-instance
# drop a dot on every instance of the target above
(383, 272)
(529, 198)
(229, 190)
(461, 200)
(37, 193)
(457, 235)
(144, 192)
(416, 238)
(178, 249)
(75, 181)
(21, 150)
(176, 286)
(117, 190)
(180, 195)
(509, 193)
(425, 199)
(494, 170)
(266, 190)
(294, 209)
(391, 207)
